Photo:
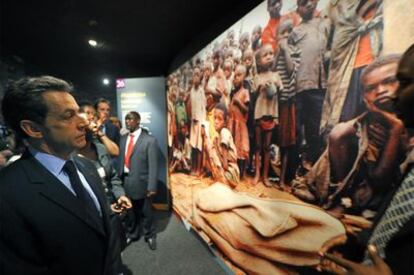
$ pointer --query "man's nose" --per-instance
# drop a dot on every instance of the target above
(83, 122)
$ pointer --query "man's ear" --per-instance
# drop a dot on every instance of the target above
(31, 128)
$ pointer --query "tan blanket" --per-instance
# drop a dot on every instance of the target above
(262, 235)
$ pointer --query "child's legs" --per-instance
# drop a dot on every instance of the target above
(258, 150)
(194, 157)
(199, 161)
(266, 157)
(242, 166)
(314, 105)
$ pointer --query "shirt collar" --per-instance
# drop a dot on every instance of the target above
(137, 132)
(52, 163)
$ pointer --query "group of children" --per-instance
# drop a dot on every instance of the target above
(232, 105)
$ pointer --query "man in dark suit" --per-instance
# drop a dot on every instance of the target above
(391, 241)
(53, 212)
(103, 109)
(138, 165)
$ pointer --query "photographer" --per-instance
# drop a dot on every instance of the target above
(97, 152)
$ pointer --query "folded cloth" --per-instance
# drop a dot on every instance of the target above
(273, 230)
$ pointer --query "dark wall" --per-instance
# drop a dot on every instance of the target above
(13, 67)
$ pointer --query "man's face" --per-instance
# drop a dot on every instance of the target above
(63, 129)
(90, 113)
(131, 122)
(381, 83)
(274, 7)
(306, 8)
(103, 111)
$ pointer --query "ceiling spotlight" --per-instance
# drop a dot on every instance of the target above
(92, 42)
(105, 81)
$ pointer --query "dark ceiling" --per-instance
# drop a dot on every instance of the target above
(137, 38)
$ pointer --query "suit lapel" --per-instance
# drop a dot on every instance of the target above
(52, 189)
(91, 177)
(137, 144)
(121, 158)
(139, 141)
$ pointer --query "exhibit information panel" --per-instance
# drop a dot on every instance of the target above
(147, 97)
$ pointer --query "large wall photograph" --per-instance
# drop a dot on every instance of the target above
(278, 144)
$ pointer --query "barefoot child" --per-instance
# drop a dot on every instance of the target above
(182, 151)
(268, 84)
(198, 115)
(238, 111)
(222, 153)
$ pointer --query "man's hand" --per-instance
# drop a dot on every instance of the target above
(124, 202)
(121, 205)
(151, 194)
(339, 265)
(95, 129)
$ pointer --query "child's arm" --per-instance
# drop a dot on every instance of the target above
(244, 106)
(290, 66)
(223, 156)
(278, 81)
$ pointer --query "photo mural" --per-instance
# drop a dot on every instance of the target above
(278, 146)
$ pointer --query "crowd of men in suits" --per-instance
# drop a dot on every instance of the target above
(55, 214)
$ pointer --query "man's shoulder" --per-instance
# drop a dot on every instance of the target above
(13, 167)
(84, 162)
(13, 174)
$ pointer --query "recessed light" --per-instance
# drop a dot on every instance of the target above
(105, 81)
(92, 42)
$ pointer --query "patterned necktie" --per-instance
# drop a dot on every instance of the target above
(129, 150)
(83, 196)
(398, 213)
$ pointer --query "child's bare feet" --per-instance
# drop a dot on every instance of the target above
(267, 182)
(285, 187)
(256, 179)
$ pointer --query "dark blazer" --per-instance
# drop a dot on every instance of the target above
(143, 171)
(114, 188)
(43, 228)
(112, 132)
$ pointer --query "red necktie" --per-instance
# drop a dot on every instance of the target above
(129, 150)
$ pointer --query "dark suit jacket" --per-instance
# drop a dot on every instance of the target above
(43, 228)
(143, 171)
(112, 132)
(114, 188)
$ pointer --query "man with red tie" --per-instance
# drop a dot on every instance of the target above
(138, 166)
